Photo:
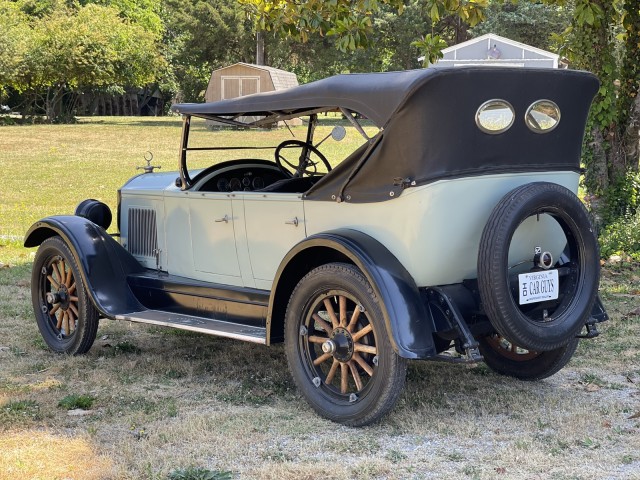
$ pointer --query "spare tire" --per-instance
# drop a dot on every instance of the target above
(543, 325)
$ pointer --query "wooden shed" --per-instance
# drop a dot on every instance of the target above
(244, 79)
(492, 49)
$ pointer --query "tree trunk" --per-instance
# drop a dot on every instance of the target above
(53, 102)
(598, 174)
(631, 139)
(260, 60)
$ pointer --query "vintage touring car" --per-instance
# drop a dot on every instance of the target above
(453, 232)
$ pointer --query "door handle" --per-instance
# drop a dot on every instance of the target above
(224, 219)
(293, 222)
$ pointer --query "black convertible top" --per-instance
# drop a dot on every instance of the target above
(374, 95)
(428, 124)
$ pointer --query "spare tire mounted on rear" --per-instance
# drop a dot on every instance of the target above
(550, 324)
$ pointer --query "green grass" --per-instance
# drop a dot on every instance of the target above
(71, 402)
(199, 473)
(18, 411)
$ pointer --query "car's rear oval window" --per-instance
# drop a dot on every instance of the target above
(542, 116)
(495, 116)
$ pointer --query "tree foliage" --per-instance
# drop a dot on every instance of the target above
(349, 22)
(603, 38)
(60, 51)
(525, 22)
(203, 35)
(15, 39)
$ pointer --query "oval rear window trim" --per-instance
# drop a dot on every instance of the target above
(536, 128)
(495, 102)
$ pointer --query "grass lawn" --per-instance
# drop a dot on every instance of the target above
(157, 400)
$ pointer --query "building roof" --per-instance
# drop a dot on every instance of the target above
(477, 51)
(281, 78)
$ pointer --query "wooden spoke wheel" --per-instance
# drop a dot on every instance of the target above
(509, 350)
(338, 349)
(507, 358)
(66, 317)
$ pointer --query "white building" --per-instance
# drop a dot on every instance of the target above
(492, 49)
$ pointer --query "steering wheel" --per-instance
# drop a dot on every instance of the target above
(306, 165)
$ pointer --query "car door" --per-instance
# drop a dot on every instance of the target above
(213, 247)
(274, 223)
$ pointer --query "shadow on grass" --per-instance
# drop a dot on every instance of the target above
(138, 122)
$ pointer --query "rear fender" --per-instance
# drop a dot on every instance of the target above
(409, 323)
(103, 262)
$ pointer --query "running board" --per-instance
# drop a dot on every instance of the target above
(198, 324)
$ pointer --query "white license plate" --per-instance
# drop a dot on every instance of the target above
(538, 286)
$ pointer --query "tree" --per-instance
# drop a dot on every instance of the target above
(604, 38)
(526, 22)
(15, 38)
(389, 47)
(349, 22)
(202, 35)
(68, 51)
(145, 13)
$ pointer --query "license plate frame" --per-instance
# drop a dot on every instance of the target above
(536, 287)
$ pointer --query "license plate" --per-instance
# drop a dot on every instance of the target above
(538, 286)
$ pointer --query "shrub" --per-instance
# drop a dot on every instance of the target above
(71, 402)
(199, 473)
(622, 237)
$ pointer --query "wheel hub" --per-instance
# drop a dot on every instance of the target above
(342, 344)
(61, 297)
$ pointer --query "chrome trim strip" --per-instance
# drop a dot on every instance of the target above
(193, 328)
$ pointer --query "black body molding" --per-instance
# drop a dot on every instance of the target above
(409, 323)
(104, 263)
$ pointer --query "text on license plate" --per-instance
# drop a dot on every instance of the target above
(538, 286)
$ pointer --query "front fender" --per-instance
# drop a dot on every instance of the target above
(409, 323)
(103, 262)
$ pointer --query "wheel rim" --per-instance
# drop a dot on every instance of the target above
(338, 346)
(570, 268)
(59, 302)
(509, 349)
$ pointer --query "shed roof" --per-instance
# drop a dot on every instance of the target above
(488, 38)
(478, 51)
(281, 78)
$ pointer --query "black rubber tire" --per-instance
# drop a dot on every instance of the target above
(79, 339)
(533, 366)
(578, 289)
(382, 388)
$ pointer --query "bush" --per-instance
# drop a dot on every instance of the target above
(199, 473)
(71, 402)
(622, 237)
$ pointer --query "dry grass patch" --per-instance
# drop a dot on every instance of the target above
(36, 455)
(166, 400)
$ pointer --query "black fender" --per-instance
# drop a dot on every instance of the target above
(103, 262)
(409, 323)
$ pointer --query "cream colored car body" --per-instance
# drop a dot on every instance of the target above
(240, 238)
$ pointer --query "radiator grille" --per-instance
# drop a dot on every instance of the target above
(143, 233)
